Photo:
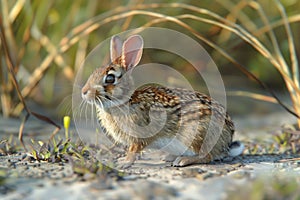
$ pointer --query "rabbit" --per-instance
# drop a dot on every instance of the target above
(182, 117)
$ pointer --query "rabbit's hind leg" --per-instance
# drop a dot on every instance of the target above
(168, 157)
(182, 161)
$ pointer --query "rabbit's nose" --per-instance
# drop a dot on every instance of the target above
(85, 94)
(84, 90)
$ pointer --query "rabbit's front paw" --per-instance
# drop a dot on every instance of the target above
(128, 161)
(181, 161)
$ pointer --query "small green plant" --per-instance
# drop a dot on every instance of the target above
(52, 151)
(259, 147)
(288, 139)
(3, 176)
(76, 153)
(9, 146)
(90, 168)
(58, 151)
(279, 186)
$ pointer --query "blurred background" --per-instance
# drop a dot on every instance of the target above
(48, 40)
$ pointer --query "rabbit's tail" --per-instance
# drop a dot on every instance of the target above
(236, 148)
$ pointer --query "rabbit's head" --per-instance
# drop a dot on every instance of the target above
(110, 86)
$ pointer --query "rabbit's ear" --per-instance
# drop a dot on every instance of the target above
(115, 49)
(132, 51)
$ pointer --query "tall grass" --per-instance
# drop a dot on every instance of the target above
(43, 40)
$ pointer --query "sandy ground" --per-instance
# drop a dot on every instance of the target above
(148, 178)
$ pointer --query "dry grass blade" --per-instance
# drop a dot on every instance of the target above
(37, 34)
(21, 129)
(282, 63)
(10, 64)
(49, 121)
(293, 58)
(276, 24)
(253, 96)
(290, 38)
(38, 74)
(51, 49)
(293, 90)
(83, 43)
(236, 14)
(10, 67)
(15, 11)
(40, 71)
(7, 29)
(293, 74)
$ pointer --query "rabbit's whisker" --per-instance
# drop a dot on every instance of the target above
(82, 109)
(92, 119)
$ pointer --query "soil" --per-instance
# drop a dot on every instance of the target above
(149, 177)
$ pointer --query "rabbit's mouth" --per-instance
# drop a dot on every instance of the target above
(107, 97)
(89, 96)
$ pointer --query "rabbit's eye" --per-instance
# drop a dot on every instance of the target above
(110, 79)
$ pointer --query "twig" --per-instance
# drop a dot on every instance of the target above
(21, 130)
(289, 159)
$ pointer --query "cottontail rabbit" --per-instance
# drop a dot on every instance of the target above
(175, 120)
